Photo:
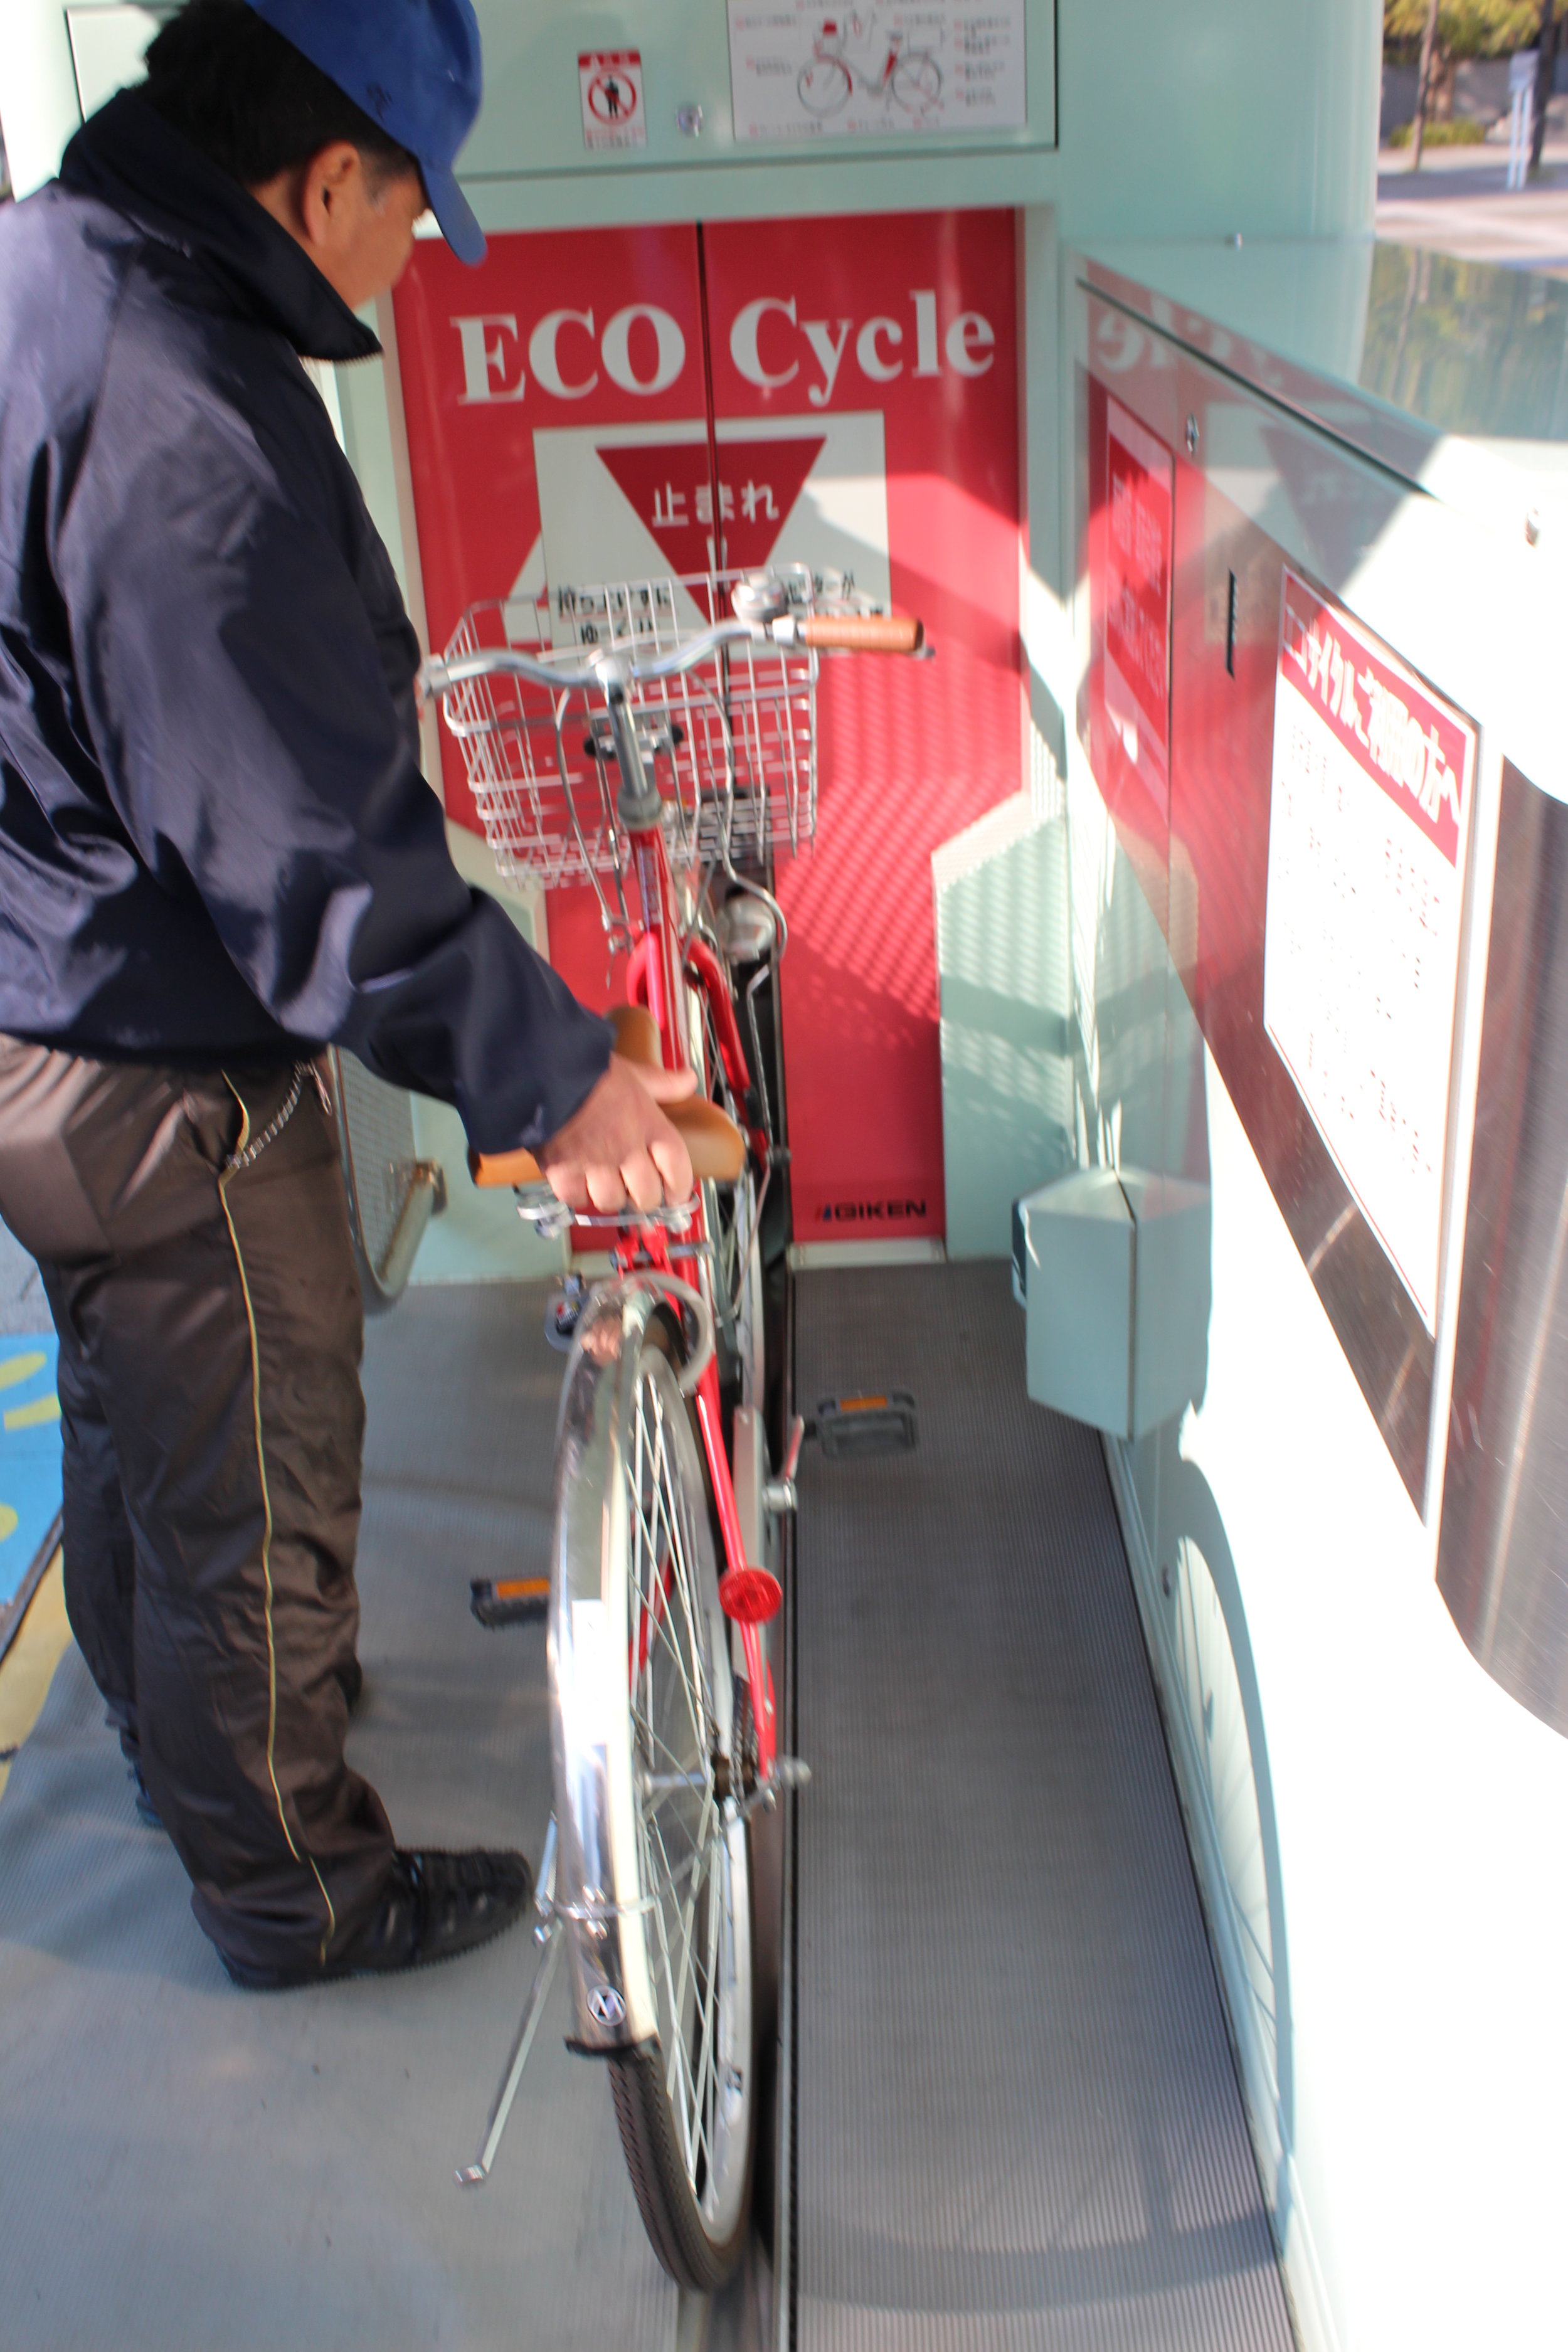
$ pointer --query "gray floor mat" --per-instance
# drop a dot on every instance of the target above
(1018, 2119)
(186, 2167)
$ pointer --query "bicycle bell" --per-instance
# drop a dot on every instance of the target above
(746, 928)
(759, 597)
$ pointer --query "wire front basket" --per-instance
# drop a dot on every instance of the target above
(731, 744)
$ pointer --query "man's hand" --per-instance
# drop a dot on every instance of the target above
(619, 1145)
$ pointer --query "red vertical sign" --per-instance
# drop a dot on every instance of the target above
(1127, 721)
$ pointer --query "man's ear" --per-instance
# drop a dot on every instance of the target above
(327, 190)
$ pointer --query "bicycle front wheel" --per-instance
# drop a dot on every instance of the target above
(825, 86)
(674, 1975)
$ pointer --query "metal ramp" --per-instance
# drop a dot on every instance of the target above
(1012, 2116)
(1016, 2116)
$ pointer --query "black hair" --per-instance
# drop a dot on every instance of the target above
(252, 102)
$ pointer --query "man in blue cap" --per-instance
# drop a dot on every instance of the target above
(217, 856)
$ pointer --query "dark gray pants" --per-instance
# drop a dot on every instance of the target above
(210, 1332)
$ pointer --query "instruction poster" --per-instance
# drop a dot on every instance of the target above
(945, 65)
(1369, 815)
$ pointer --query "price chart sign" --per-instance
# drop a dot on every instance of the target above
(1369, 817)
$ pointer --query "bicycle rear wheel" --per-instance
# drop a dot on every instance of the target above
(674, 1974)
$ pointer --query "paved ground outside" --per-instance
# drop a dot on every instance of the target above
(1459, 202)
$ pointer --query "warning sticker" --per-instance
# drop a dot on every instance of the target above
(613, 111)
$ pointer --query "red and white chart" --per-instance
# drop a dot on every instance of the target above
(1368, 818)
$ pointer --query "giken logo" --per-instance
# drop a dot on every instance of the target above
(876, 1213)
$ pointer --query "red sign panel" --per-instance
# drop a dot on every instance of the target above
(1127, 723)
(670, 488)
(1140, 477)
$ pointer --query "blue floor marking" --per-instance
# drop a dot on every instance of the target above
(29, 1454)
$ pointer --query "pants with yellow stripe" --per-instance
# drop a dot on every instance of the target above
(210, 1330)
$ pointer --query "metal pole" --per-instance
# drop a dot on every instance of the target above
(1546, 74)
(1423, 83)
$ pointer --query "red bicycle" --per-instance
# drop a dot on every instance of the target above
(663, 753)
(911, 78)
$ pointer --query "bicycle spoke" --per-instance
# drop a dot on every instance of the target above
(682, 1828)
(658, 1629)
(683, 2096)
(661, 1637)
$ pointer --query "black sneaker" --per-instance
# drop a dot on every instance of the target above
(434, 1907)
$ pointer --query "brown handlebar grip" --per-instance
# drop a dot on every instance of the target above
(637, 1035)
(717, 1146)
(513, 1168)
(862, 633)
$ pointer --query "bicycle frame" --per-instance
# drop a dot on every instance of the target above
(658, 978)
(664, 962)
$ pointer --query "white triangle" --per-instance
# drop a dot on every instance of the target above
(522, 615)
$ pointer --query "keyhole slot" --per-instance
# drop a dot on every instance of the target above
(1230, 630)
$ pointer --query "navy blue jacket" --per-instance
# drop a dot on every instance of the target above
(215, 844)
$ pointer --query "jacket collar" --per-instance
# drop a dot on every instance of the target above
(129, 158)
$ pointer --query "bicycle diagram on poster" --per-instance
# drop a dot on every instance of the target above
(799, 69)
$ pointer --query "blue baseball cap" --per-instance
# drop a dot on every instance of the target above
(414, 67)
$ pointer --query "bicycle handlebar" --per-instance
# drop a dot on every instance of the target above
(860, 633)
(825, 631)
(437, 676)
(717, 1147)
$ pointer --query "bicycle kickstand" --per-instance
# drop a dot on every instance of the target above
(547, 1932)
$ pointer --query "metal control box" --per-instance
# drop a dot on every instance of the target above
(1115, 1281)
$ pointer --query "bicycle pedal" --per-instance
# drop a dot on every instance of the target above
(513, 1600)
(851, 1428)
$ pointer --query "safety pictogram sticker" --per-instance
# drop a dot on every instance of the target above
(613, 111)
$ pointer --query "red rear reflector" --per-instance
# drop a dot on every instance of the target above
(749, 1596)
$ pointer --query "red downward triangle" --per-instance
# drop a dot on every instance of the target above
(668, 484)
